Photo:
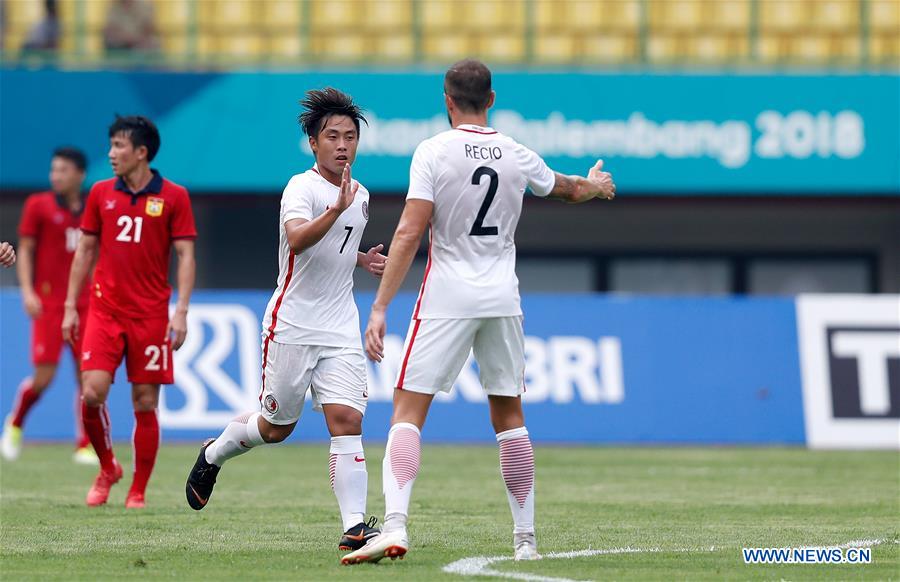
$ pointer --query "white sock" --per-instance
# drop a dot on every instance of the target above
(349, 478)
(241, 435)
(400, 467)
(517, 469)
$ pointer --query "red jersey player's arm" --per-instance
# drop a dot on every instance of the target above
(85, 254)
(186, 274)
(25, 273)
(578, 189)
(416, 215)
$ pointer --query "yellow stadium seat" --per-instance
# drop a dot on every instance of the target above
(244, 46)
(328, 15)
(771, 48)
(728, 15)
(811, 48)
(175, 45)
(609, 48)
(675, 15)
(847, 47)
(836, 15)
(95, 13)
(287, 45)
(664, 48)
(783, 15)
(619, 15)
(228, 15)
(884, 48)
(206, 44)
(23, 13)
(388, 14)
(341, 46)
(486, 15)
(550, 14)
(555, 47)
(446, 47)
(884, 15)
(172, 15)
(439, 14)
(282, 14)
(396, 47)
(717, 48)
(501, 48)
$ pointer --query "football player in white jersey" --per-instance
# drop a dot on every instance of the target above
(311, 339)
(468, 184)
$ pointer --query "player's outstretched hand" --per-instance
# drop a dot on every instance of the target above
(375, 335)
(348, 190)
(177, 329)
(374, 262)
(70, 325)
(7, 254)
(602, 182)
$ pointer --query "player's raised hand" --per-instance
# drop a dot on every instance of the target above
(375, 335)
(7, 254)
(373, 261)
(601, 182)
(176, 331)
(70, 325)
(348, 190)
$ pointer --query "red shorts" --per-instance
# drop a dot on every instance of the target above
(142, 342)
(47, 339)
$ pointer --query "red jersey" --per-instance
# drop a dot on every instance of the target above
(136, 231)
(48, 219)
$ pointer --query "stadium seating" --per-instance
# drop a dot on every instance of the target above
(551, 32)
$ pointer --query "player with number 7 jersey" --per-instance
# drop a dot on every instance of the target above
(132, 222)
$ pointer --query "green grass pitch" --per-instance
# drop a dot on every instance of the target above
(273, 516)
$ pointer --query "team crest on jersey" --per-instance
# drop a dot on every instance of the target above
(270, 403)
(110, 205)
(154, 206)
(365, 209)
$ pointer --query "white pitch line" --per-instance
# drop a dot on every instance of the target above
(479, 565)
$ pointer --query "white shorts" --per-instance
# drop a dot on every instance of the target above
(334, 375)
(436, 350)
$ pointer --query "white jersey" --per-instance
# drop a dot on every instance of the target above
(476, 178)
(313, 302)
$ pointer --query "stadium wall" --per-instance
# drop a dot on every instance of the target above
(819, 370)
(665, 134)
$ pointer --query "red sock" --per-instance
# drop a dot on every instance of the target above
(24, 401)
(81, 437)
(146, 443)
(96, 425)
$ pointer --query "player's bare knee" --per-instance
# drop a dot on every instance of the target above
(275, 433)
(91, 395)
(346, 424)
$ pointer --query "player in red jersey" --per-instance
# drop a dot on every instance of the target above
(132, 221)
(48, 235)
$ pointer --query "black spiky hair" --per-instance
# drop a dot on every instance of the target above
(321, 104)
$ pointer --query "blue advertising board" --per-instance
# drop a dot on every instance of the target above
(599, 370)
(687, 134)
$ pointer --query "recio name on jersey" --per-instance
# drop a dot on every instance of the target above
(478, 152)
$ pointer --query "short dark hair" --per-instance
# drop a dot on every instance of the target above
(468, 83)
(140, 130)
(74, 155)
(321, 104)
